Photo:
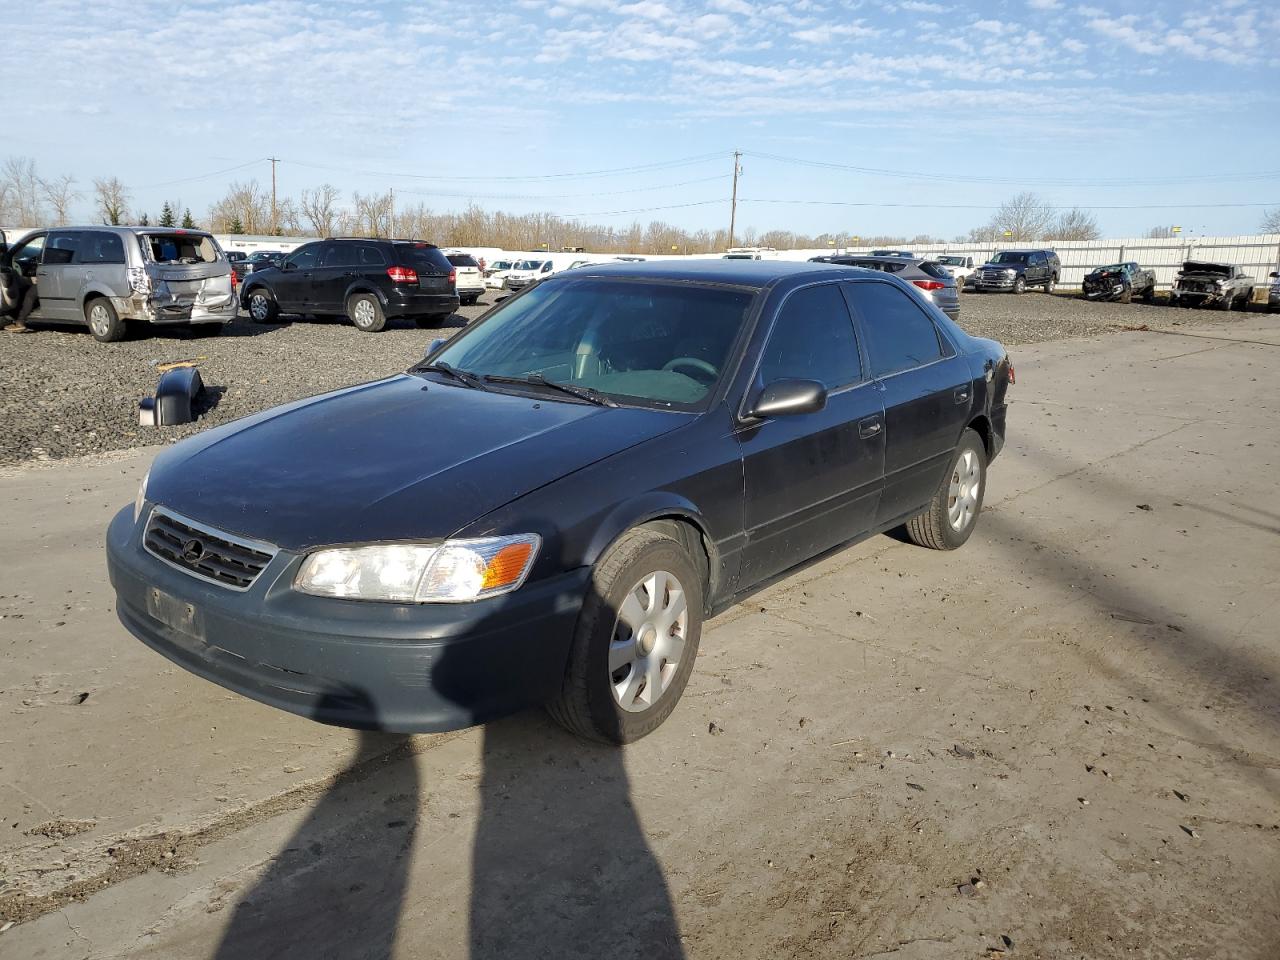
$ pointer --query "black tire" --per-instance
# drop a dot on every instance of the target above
(1228, 302)
(1019, 285)
(1149, 294)
(365, 313)
(469, 301)
(1126, 295)
(933, 528)
(587, 705)
(1050, 284)
(262, 306)
(104, 323)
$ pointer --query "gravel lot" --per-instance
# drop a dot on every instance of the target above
(63, 394)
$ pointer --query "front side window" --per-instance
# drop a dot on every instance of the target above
(27, 257)
(813, 339)
(304, 258)
(61, 247)
(661, 344)
(900, 335)
(1007, 257)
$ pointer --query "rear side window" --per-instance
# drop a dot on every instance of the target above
(463, 260)
(101, 248)
(179, 247)
(61, 247)
(813, 339)
(934, 270)
(338, 255)
(423, 255)
(371, 256)
(899, 334)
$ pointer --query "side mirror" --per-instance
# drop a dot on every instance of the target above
(1274, 275)
(288, 265)
(784, 398)
(435, 345)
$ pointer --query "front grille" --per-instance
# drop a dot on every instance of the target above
(995, 276)
(206, 553)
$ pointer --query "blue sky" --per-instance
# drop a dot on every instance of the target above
(1100, 105)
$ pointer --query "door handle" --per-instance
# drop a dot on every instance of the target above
(869, 427)
(961, 394)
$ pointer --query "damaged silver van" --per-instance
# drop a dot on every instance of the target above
(111, 278)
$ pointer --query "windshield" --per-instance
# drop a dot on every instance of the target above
(1009, 258)
(1114, 268)
(529, 264)
(500, 265)
(644, 341)
(951, 261)
(179, 247)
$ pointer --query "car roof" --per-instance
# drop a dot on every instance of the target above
(754, 273)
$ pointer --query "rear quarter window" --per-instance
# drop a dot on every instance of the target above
(423, 255)
(101, 248)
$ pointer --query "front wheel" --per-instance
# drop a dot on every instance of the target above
(1020, 285)
(635, 642)
(1050, 285)
(953, 512)
(104, 323)
(1228, 301)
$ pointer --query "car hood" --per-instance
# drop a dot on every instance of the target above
(399, 459)
(1004, 266)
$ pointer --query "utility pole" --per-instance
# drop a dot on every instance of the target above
(733, 209)
(275, 217)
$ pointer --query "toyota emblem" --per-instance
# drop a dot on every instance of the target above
(192, 551)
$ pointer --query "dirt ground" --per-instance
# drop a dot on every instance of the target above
(1062, 741)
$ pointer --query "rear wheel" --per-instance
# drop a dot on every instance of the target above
(1019, 284)
(366, 313)
(1149, 294)
(263, 307)
(104, 323)
(635, 642)
(953, 512)
(1050, 284)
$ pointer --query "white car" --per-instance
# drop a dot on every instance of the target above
(471, 281)
(496, 271)
(960, 265)
(527, 272)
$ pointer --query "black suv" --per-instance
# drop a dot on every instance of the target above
(368, 280)
(1015, 270)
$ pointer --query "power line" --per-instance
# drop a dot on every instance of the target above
(583, 175)
(201, 176)
(563, 196)
(1023, 181)
(613, 213)
(996, 206)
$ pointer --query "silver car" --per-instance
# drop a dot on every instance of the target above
(107, 277)
(1273, 292)
(930, 277)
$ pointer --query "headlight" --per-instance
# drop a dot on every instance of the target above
(455, 571)
(141, 498)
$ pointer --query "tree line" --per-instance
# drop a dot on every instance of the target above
(29, 199)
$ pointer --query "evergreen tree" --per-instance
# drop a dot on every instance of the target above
(187, 222)
(166, 215)
(236, 226)
(144, 221)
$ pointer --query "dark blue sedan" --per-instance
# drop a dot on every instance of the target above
(550, 505)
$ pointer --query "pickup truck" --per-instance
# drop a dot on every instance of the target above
(1120, 281)
(1202, 283)
(960, 265)
(1015, 270)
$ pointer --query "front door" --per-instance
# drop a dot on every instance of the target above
(927, 391)
(292, 285)
(812, 480)
(25, 261)
(332, 275)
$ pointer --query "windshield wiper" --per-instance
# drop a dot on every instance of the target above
(589, 394)
(464, 377)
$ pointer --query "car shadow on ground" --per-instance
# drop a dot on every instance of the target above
(561, 868)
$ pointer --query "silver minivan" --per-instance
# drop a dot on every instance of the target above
(111, 277)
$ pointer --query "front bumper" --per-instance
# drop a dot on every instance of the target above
(411, 302)
(1199, 297)
(405, 668)
(994, 283)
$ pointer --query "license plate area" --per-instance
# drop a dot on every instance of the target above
(176, 614)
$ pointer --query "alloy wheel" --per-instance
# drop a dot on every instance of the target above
(258, 307)
(363, 314)
(99, 320)
(648, 641)
(962, 497)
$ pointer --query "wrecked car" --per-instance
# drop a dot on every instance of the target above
(1201, 283)
(1120, 281)
(110, 278)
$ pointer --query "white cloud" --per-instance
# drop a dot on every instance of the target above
(1042, 4)
(827, 34)
(990, 26)
(1073, 45)
(920, 6)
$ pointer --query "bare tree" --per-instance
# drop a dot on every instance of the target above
(1271, 221)
(1024, 217)
(22, 191)
(373, 213)
(61, 194)
(320, 207)
(1160, 233)
(1074, 224)
(112, 200)
(247, 204)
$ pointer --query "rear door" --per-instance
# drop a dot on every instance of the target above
(926, 389)
(58, 286)
(812, 480)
